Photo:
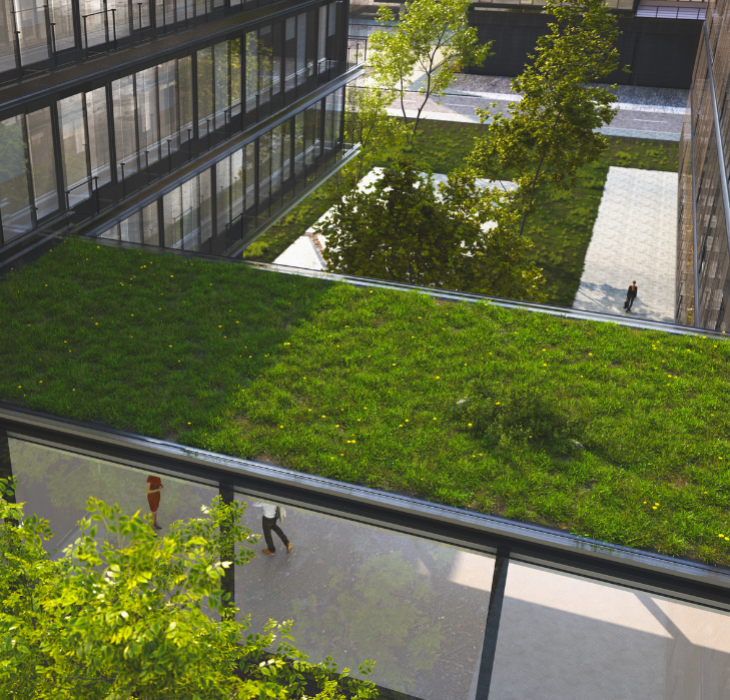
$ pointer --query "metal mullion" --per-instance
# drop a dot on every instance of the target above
(718, 140)
(694, 210)
(491, 630)
(16, 36)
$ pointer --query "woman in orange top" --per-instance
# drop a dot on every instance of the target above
(154, 485)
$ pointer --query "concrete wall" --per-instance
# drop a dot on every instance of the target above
(660, 52)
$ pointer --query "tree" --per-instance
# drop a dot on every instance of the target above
(462, 238)
(368, 124)
(550, 133)
(432, 37)
(127, 620)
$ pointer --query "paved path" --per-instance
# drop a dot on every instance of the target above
(650, 113)
(634, 238)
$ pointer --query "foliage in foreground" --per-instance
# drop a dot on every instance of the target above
(461, 237)
(328, 379)
(126, 620)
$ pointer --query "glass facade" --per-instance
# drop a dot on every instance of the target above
(220, 206)
(87, 151)
(37, 35)
(703, 233)
(413, 586)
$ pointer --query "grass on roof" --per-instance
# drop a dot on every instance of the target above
(362, 386)
(560, 227)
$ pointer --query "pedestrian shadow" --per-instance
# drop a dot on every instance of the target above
(607, 299)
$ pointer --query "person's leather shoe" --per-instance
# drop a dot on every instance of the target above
(268, 551)
(288, 546)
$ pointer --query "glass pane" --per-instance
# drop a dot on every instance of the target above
(140, 14)
(96, 24)
(130, 228)
(286, 151)
(220, 53)
(149, 140)
(119, 21)
(63, 30)
(30, 16)
(275, 161)
(266, 63)
(321, 39)
(150, 232)
(252, 70)
(96, 117)
(124, 126)
(171, 212)
(223, 196)
(250, 171)
(56, 485)
(205, 92)
(235, 58)
(190, 214)
(206, 212)
(73, 149)
(301, 48)
(237, 181)
(15, 210)
(264, 169)
(167, 86)
(111, 233)
(43, 163)
(185, 90)
(417, 608)
(299, 145)
(7, 36)
(290, 53)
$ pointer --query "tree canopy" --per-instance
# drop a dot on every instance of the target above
(460, 237)
(123, 614)
(551, 132)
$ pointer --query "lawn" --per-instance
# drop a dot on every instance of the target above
(363, 386)
(561, 226)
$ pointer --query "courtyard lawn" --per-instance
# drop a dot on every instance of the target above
(362, 386)
(560, 227)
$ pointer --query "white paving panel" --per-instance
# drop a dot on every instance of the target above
(634, 238)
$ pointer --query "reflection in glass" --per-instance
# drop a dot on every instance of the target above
(417, 608)
(124, 126)
(15, 202)
(205, 92)
(30, 18)
(42, 160)
(73, 149)
(56, 485)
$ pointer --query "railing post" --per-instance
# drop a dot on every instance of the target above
(121, 164)
(86, 38)
(114, 27)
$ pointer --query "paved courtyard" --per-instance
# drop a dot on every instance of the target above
(634, 238)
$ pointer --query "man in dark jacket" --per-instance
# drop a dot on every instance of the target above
(631, 296)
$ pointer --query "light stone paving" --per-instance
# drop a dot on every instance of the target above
(634, 238)
(562, 637)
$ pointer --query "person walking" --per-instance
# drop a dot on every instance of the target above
(272, 515)
(631, 296)
(154, 486)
